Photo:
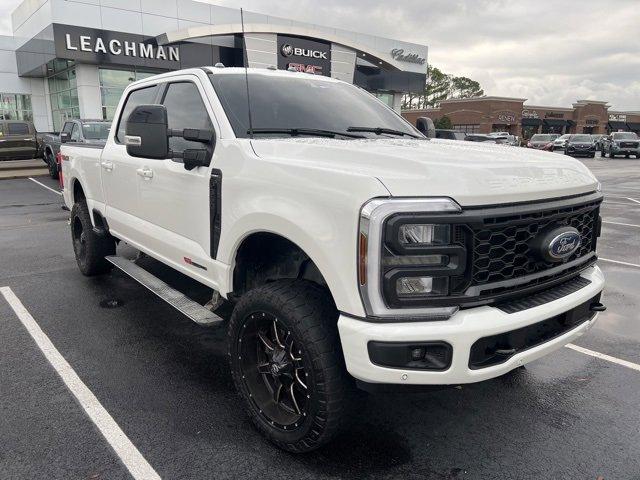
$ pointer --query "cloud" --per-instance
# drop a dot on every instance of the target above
(552, 52)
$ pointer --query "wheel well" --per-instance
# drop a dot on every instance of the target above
(78, 192)
(266, 257)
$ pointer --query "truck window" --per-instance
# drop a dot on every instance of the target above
(18, 129)
(142, 96)
(75, 133)
(185, 109)
(68, 126)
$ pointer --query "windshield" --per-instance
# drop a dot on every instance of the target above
(286, 103)
(96, 130)
(541, 138)
(564, 137)
(625, 136)
(581, 138)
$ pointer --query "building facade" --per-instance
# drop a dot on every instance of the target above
(503, 114)
(73, 58)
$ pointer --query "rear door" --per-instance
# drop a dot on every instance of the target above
(120, 171)
(174, 202)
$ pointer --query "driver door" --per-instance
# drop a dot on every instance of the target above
(173, 201)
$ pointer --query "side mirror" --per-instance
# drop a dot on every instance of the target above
(426, 127)
(146, 133)
(64, 137)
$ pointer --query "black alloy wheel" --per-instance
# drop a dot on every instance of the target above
(273, 370)
(287, 364)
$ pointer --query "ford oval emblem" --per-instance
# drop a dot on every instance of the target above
(564, 244)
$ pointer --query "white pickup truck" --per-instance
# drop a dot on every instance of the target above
(354, 249)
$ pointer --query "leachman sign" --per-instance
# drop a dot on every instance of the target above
(91, 45)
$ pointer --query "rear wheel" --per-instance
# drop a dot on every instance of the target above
(89, 247)
(602, 154)
(287, 364)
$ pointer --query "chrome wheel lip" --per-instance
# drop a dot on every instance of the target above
(291, 372)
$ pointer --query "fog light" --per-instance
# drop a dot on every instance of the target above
(434, 355)
(423, 234)
(417, 286)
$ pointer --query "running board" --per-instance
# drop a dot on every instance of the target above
(179, 301)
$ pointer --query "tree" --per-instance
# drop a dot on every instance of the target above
(441, 86)
(443, 123)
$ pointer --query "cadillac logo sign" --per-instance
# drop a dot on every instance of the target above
(559, 244)
(401, 56)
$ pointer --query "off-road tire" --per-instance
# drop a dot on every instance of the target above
(308, 312)
(52, 166)
(89, 247)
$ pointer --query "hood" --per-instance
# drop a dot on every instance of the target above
(471, 173)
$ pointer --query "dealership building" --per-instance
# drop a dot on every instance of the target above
(503, 114)
(73, 58)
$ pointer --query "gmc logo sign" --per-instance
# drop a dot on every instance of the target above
(287, 50)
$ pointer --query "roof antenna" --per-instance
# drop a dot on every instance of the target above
(246, 73)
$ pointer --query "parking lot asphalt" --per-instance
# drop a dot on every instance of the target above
(165, 381)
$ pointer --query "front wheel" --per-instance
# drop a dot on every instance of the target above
(89, 247)
(287, 364)
(52, 165)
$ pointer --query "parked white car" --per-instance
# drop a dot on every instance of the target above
(561, 142)
(352, 247)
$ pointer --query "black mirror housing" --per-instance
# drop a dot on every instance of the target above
(426, 127)
(64, 137)
(146, 133)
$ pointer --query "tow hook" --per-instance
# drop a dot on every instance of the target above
(597, 307)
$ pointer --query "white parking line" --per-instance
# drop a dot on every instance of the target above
(618, 203)
(602, 356)
(619, 262)
(623, 224)
(43, 185)
(127, 451)
(620, 196)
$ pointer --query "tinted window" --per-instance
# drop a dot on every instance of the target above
(185, 109)
(18, 129)
(68, 126)
(95, 130)
(625, 136)
(542, 138)
(143, 96)
(297, 101)
(581, 138)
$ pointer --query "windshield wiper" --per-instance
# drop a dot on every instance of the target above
(294, 132)
(381, 130)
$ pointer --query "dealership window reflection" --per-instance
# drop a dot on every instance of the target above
(15, 106)
(112, 84)
(63, 92)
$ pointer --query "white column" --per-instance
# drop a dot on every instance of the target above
(397, 101)
(261, 50)
(88, 91)
(343, 62)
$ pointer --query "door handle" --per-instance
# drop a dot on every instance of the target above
(108, 166)
(145, 172)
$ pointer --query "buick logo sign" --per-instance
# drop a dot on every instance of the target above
(287, 50)
(559, 244)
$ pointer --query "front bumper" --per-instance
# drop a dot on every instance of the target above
(461, 331)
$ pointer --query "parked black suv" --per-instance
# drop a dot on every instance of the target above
(581, 144)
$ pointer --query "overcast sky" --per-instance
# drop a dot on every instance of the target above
(551, 52)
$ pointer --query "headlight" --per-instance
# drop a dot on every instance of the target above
(405, 261)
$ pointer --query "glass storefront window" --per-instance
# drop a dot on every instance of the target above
(15, 106)
(63, 92)
(112, 84)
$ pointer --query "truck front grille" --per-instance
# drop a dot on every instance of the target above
(502, 247)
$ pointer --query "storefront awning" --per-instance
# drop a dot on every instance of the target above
(634, 126)
(531, 122)
(550, 122)
(617, 126)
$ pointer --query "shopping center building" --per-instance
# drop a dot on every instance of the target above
(73, 58)
(503, 114)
